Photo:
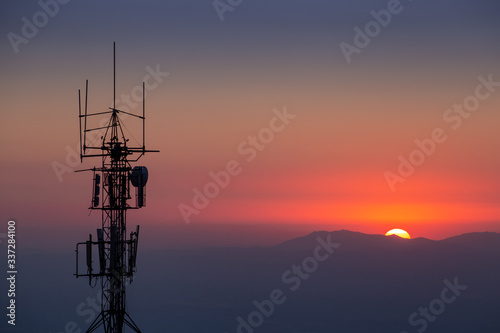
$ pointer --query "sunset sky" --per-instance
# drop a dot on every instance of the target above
(325, 168)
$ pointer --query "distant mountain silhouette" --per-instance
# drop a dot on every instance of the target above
(370, 283)
(356, 240)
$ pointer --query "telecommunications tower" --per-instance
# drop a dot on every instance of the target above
(116, 253)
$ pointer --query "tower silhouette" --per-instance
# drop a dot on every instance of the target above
(116, 253)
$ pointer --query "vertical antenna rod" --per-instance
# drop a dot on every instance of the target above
(143, 117)
(80, 123)
(114, 77)
(85, 125)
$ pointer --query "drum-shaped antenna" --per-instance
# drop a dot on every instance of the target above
(139, 176)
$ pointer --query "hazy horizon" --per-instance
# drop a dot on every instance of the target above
(222, 235)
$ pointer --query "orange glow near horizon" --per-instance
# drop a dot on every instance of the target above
(326, 211)
(424, 219)
(351, 196)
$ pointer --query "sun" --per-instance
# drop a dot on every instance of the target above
(398, 232)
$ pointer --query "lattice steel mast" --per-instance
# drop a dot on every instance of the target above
(116, 254)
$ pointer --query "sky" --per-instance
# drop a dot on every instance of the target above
(365, 115)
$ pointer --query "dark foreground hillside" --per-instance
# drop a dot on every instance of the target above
(324, 282)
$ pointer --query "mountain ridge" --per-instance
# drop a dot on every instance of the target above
(483, 240)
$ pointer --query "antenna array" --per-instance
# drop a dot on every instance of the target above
(117, 253)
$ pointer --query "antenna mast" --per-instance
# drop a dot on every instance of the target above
(117, 254)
